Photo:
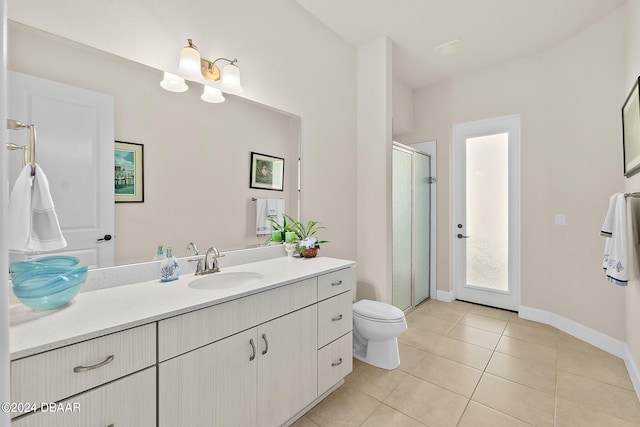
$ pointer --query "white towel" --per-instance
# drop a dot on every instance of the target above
(265, 209)
(34, 223)
(614, 229)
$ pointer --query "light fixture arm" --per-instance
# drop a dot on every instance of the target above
(209, 69)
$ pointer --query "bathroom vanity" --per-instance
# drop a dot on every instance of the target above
(255, 345)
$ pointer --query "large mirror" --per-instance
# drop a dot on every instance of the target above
(196, 154)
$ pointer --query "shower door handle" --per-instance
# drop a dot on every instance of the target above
(460, 236)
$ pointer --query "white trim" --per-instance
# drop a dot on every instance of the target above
(430, 148)
(446, 296)
(602, 341)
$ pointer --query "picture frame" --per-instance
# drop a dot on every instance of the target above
(128, 174)
(631, 131)
(267, 172)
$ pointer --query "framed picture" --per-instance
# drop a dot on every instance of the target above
(267, 172)
(631, 132)
(128, 172)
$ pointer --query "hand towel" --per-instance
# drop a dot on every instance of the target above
(265, 209)
(33, 219)
(614, 229)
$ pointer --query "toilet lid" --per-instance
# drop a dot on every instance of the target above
(377, 310)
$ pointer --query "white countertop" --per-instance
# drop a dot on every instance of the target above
(101, 312)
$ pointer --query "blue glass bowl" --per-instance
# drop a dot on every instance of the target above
(44, 262)
(47, 284)
(52, 301)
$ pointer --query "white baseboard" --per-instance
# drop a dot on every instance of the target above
(602, 341)
(446, 296)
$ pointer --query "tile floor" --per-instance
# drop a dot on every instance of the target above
(472, 366)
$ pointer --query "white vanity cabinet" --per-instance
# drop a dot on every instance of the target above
(65, 374)
(261, 376)
(255, 355)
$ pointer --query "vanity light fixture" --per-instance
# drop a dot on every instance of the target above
(193, 67)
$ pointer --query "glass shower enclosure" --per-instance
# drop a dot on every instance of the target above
(411, 199)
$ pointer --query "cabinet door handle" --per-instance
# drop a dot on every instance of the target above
(253, 348)
(338, 283)
(335, 319)
(338, 363)
(92, 367)
(266, 344)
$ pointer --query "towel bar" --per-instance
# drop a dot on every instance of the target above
(28, 153)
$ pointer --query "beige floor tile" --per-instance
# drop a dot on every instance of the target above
(427, 403)
(475, 336)
(532, 334)
(441, 310)
(410, 356)
(304, 422)
(384, 416)
(424, 340)
(462, 352)
(375, 382)
(517, 320)
(495, 313)
(344, 407)
(532, 374)
(570, 414)
(521, 402)
(448, 374)
(598, 396)
(429, 323)
(608, 369)
(528, 350)
(484, 322)
(572, 344)
(477, 415)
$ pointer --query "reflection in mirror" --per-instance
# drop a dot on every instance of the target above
(196, 154)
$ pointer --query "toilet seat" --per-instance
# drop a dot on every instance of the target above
(377, 311)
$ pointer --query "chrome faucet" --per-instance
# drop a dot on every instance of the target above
(209, 264)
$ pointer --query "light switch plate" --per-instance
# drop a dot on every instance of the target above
(560, 219)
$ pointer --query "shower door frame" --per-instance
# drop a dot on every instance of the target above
(412, 151)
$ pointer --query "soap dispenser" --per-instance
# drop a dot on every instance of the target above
(159, 254)
(169, 268)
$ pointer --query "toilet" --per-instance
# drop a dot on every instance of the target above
(376, 328)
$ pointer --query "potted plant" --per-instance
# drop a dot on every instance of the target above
(308, 245)
(282, 232)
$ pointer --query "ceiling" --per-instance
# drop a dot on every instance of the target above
(492, 31)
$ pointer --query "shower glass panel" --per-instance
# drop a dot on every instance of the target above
(422, 234)
(488, 211)
(402, 228)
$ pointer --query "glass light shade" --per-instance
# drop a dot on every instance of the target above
(173, 83)
(189, 62)
(212, 95)
(230, 82)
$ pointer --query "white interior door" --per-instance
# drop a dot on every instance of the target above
(486, 234)
(75, 144)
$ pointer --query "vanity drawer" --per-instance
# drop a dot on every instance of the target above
(335, 318)
(189, 331)
(335, 361)
(58, 374)
(130, 401)
(336, 282)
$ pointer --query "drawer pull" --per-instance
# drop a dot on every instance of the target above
(92, 367)
(335, 319)
(338, 283)
(266, 344)
(338, 363)
(253, 347)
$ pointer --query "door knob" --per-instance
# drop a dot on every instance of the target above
(106, 238)
(460, 236)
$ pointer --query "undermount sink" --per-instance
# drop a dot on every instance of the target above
(224, 280)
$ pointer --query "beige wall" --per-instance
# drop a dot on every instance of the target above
(196, 154)
(632, 293)
(569, 99)
(374, 170)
